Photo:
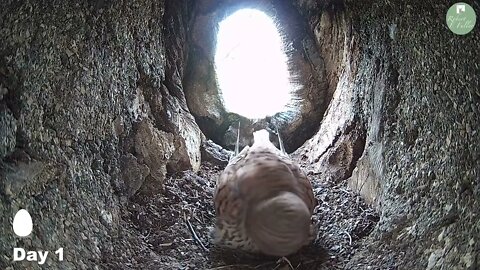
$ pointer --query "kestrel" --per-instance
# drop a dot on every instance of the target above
(263, 201)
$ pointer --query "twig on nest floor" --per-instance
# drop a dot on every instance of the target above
(249, 266)
(284, 259)
(322, 262)
(231, 266)
(349, 237)
(190, 227)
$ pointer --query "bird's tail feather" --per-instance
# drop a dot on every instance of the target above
(280, 226)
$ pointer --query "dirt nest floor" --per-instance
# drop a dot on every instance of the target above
(171, 230)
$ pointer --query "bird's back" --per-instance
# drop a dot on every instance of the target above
(263, 202)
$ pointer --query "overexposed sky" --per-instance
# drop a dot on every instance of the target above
(251, 66)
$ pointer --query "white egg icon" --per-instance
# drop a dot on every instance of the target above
(22, 223)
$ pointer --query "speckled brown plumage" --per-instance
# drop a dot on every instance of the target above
(263, 202)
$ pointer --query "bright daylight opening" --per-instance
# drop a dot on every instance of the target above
(251, 65)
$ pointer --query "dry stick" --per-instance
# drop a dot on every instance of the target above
(280, 142)
(231, 266)
(237, 145)
(284, 259)
(310, 262)
(349, 237)
(263, 264)
(190, 227)
(289, 263)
